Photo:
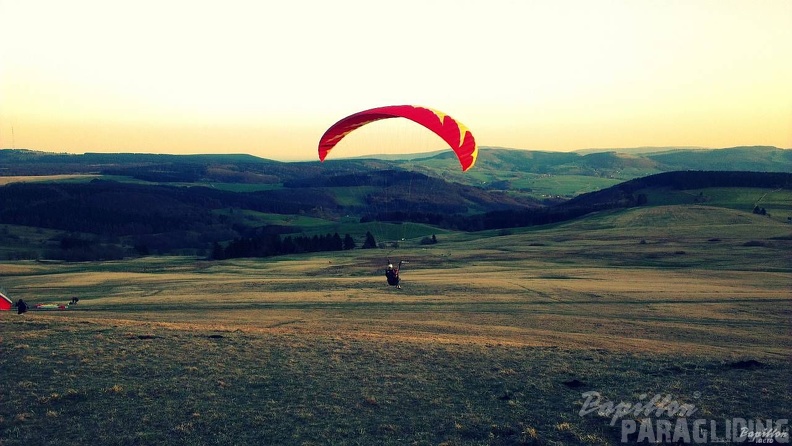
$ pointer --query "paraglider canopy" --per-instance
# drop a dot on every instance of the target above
(5, 303)
(454, 133)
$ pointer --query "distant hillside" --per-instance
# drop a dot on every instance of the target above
(31, 162)
(638, 150)
(164, 217)
(566, 174)
(131, 218)
(629, 194)
(169, 202)
(764, 159)
(682, 180)
(493, 164)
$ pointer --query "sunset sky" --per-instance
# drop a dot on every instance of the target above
(268, 77)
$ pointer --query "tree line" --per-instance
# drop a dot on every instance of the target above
(269, 245)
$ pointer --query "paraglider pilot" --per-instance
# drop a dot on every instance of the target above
(21, 306)
(392, 274)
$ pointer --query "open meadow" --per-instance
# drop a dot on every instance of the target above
(496, 338)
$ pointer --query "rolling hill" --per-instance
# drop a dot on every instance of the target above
(131, 204)
(492, 165)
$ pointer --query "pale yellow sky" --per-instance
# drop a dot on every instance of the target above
(268, 77)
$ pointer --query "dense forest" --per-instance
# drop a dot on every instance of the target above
(115, 208)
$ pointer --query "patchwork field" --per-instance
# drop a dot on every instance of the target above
(495, 338)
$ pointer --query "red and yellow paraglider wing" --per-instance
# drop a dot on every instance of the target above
(345, 126)
(453, 132)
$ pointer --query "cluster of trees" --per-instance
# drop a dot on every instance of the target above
(273, 245)
(167, 173)
(429, 240)
(687, 179)
(122, 209)
(74, 248)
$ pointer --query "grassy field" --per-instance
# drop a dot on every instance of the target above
(493, 339)
(46, 178)
(777, 202)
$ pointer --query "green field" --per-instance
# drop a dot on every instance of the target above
(494, 338)
(542, 186)
(778, 202)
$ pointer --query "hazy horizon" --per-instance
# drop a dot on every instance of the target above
(405, 155)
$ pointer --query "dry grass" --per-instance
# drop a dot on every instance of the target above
(491, 341)
(37, 178)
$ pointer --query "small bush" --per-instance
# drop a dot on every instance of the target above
(429, 240)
